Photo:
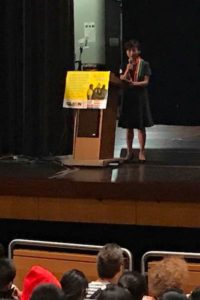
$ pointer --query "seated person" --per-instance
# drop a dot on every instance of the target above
(114, 292)
(135, 283)
(47, 291)
(195, 294)
(109, 268)
(7, 274)
(174, 294)
(36, 276)
(169, 273)
(74, 285)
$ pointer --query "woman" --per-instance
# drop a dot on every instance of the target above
(135, 109)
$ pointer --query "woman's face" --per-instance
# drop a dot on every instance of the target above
(133, 52)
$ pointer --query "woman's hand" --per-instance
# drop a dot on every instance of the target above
(143, 83)
(122, 77)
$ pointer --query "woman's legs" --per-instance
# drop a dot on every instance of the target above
(142, 141)
(129, 141)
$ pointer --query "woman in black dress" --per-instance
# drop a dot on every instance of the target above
(136, 111)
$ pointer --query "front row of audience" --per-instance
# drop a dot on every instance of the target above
(165, 281)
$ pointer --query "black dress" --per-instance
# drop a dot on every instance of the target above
(135, 111)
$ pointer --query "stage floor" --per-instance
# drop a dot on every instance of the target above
(173, 154)
(140, 206)
(167, 186)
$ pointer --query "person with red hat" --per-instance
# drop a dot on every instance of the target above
(36, 276)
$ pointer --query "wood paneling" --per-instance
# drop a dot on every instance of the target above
(56, 262)
(88, 210)
(185, 214)
(16, 207)
(108, 211)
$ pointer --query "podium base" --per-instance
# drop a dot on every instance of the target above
(92, 162)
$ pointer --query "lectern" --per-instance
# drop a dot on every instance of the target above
(94, 131)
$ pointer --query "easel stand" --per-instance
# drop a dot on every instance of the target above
(94, 132)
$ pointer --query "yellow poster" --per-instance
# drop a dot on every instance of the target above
(86, 89)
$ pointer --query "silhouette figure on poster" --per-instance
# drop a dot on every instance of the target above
(90, 92)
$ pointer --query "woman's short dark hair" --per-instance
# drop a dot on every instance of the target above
(132, 44)
(114, 292)
(135, 283)
(74, 284)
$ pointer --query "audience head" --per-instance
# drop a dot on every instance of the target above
(110, 262)
(114, 292)
(74, 285)
(170, 272)
(195, 294)
(135, 283)
(36, 276)
(47, 291)
(7, 275)
(173, 294)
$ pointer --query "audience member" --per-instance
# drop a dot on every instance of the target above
(171, 272)
(7, 275)
(74, 285)
(109, 268)
(47, 291)
(36, 276)
(135, 283)
(174, 294)
(195, 294)
(114, 292)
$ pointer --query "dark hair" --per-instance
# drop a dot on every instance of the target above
(7, 294)
(195, 294)
(132, 44)
(74, 284)
(135, 283)
(173, 295)
(47, 291)
(109, 261)
(7, 272)
(114, 292)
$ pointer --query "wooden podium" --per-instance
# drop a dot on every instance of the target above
(94, 132)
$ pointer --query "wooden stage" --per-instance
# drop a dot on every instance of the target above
(165, 191)
(154, 206)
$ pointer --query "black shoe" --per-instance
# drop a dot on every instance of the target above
(142, 158)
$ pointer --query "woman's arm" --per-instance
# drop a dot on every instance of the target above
(143, 83)
(126, 75)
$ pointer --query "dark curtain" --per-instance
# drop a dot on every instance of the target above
(11, 71)
(112, 32)
(37, 52)
(169, 31)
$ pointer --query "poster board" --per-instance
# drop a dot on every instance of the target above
(86, 89)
